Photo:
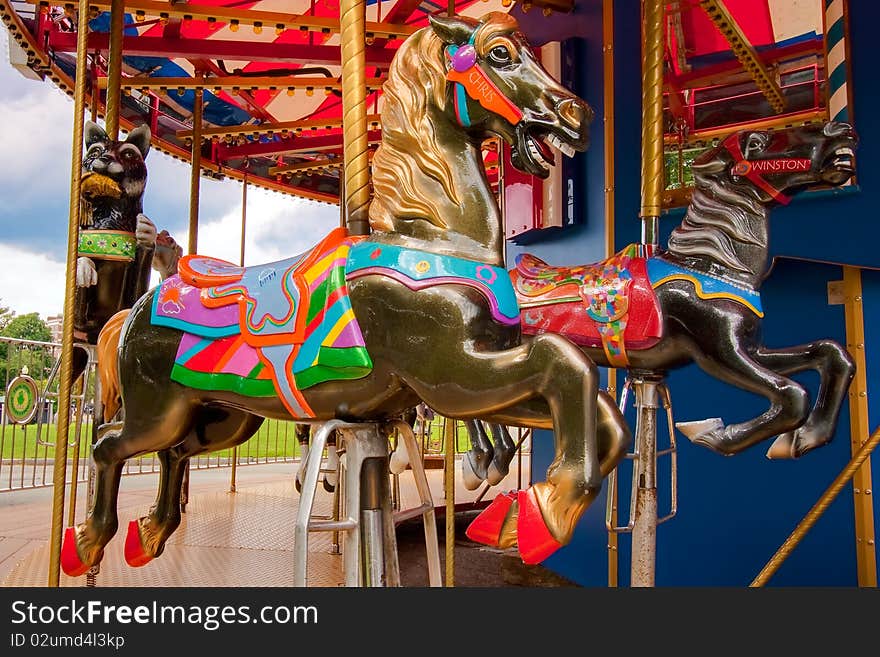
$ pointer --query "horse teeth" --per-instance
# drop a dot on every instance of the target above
(556, 142)
(844, 151)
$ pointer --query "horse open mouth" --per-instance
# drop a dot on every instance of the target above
(839, 165)
(843, 159)
(537, 154)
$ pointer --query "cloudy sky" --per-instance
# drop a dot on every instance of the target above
(35, 143)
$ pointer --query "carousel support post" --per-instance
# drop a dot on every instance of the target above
(356, 186)
(114, 67)
(645, 519)
(244, 185)
(370, 552)
(644, 540)
(608, 101)
(449, 490)
(193, 241)
(59, 473)
(652, 122)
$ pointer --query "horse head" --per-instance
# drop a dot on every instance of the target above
(772, 166)
(499, 87)
(114, 177)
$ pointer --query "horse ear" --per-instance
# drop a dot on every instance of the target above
(140, 137)
(452, 30)
(93, 133)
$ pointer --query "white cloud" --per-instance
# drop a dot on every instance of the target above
(277, 227)
(30, 282)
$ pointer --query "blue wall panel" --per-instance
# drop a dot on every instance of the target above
(734, 513)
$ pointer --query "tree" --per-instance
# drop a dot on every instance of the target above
(27, 327)
(6, 316)
(15, 357)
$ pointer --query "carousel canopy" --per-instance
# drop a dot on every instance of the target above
(271, 69)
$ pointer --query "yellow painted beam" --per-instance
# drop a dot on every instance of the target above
(255, 20)
(281, 127)
(236, 82)
(745, 52)
(305, 166)
(863, 498)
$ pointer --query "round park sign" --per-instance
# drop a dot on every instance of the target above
(21, 399)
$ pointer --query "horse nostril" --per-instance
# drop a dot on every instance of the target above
(836, 129)
(574, 113)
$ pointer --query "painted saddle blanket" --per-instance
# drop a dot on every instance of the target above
(273, 329)
(612, 303)
(609, 304)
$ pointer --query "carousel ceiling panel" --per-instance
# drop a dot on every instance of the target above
(293, 41)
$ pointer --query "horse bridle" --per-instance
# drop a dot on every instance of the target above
(470, 81)
(751, 169)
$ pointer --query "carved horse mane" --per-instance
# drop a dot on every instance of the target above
(409, 138)
(717, 219)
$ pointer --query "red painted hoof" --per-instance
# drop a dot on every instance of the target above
(486, 527)
(135, 556)
(536, 543)
(71, 564)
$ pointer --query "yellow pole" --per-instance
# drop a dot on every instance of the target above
(356, 187)
(196, 171)
(652, 120)
(241, 262)
(59, 473)
(863, 503)
(816, 512)
(608, 102)
(449, 439)
(114, 67)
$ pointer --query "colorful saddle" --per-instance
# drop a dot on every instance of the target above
(609, 304)
(273, 329)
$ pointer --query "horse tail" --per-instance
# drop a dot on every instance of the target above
(108, 366)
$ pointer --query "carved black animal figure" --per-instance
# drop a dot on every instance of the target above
(117, 241)
(698, 300)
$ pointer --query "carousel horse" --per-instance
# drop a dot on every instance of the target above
(362, 328)
(699, 300)
(118, 244)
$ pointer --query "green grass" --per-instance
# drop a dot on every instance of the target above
(268, 443)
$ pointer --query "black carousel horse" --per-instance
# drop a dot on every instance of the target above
(364, 328)
(698, 300)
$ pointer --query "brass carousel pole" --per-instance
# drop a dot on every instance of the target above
(193, 241)
(647, 388)
(59, 473)
(352, 21)
(114, 67)
(608, 102)
(449, 440)
(241, 262)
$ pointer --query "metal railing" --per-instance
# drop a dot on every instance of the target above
(27, 450)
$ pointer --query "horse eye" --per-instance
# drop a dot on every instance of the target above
(500, 55)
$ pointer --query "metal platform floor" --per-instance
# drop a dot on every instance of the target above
(225, 539)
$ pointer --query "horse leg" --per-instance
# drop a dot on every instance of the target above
(789, 402)
(505, 449)
(84, 544)
(475, 463)
(216, 429)
(836, 370)
(551, 368)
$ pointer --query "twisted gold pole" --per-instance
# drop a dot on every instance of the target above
(114, 67)
(59, 472)
(449, 440)
(816, 512)
(652, 119)
(352, 21)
